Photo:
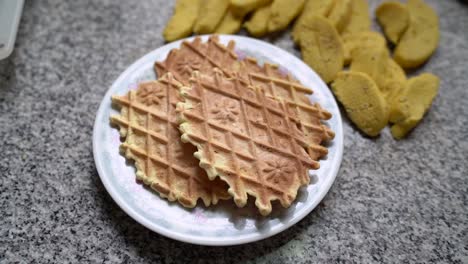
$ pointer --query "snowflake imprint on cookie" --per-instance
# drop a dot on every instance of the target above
(225, 111)
(278, 171)
(150, 94)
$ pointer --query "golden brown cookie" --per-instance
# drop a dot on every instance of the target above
(148, 123)
(249, 140)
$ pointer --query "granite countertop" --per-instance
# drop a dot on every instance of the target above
(392, 201)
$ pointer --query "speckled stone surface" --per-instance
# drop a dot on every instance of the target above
(392, 202)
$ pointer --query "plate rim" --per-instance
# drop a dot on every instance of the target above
(196, 239)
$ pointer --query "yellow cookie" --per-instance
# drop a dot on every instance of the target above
(361, 40)
(359, 20)
(210, 14)
(311, 8)
(230, 24)
(283, 12)
(321, 47)
(414, 102)
(371, 61)
(421, 38)
(340, 14)
(394, 81)
(257, 25)
(181, 23)
(387, 74)
(394, 90)
(243, 7)
(393, 71)
(394, 18)
(362, 100)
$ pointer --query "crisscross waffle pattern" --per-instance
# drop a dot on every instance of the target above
(205, 57)
(199, 56)
(298, 105)
(148, 122)
(245, 138)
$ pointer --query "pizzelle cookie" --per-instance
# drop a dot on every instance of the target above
(294, 95)
(249, 140)
(206, 56)
(198, 56)
(147, 121)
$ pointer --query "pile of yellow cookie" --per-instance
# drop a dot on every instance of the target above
(214, 127)
(334, 35)
(375, 90)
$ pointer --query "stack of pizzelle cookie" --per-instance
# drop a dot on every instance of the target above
(215, 127)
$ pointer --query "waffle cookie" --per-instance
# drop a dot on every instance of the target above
(206, 56)
(147, 121)
(251, 141)
(199, 56)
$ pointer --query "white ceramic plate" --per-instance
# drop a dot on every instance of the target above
(223, 224)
